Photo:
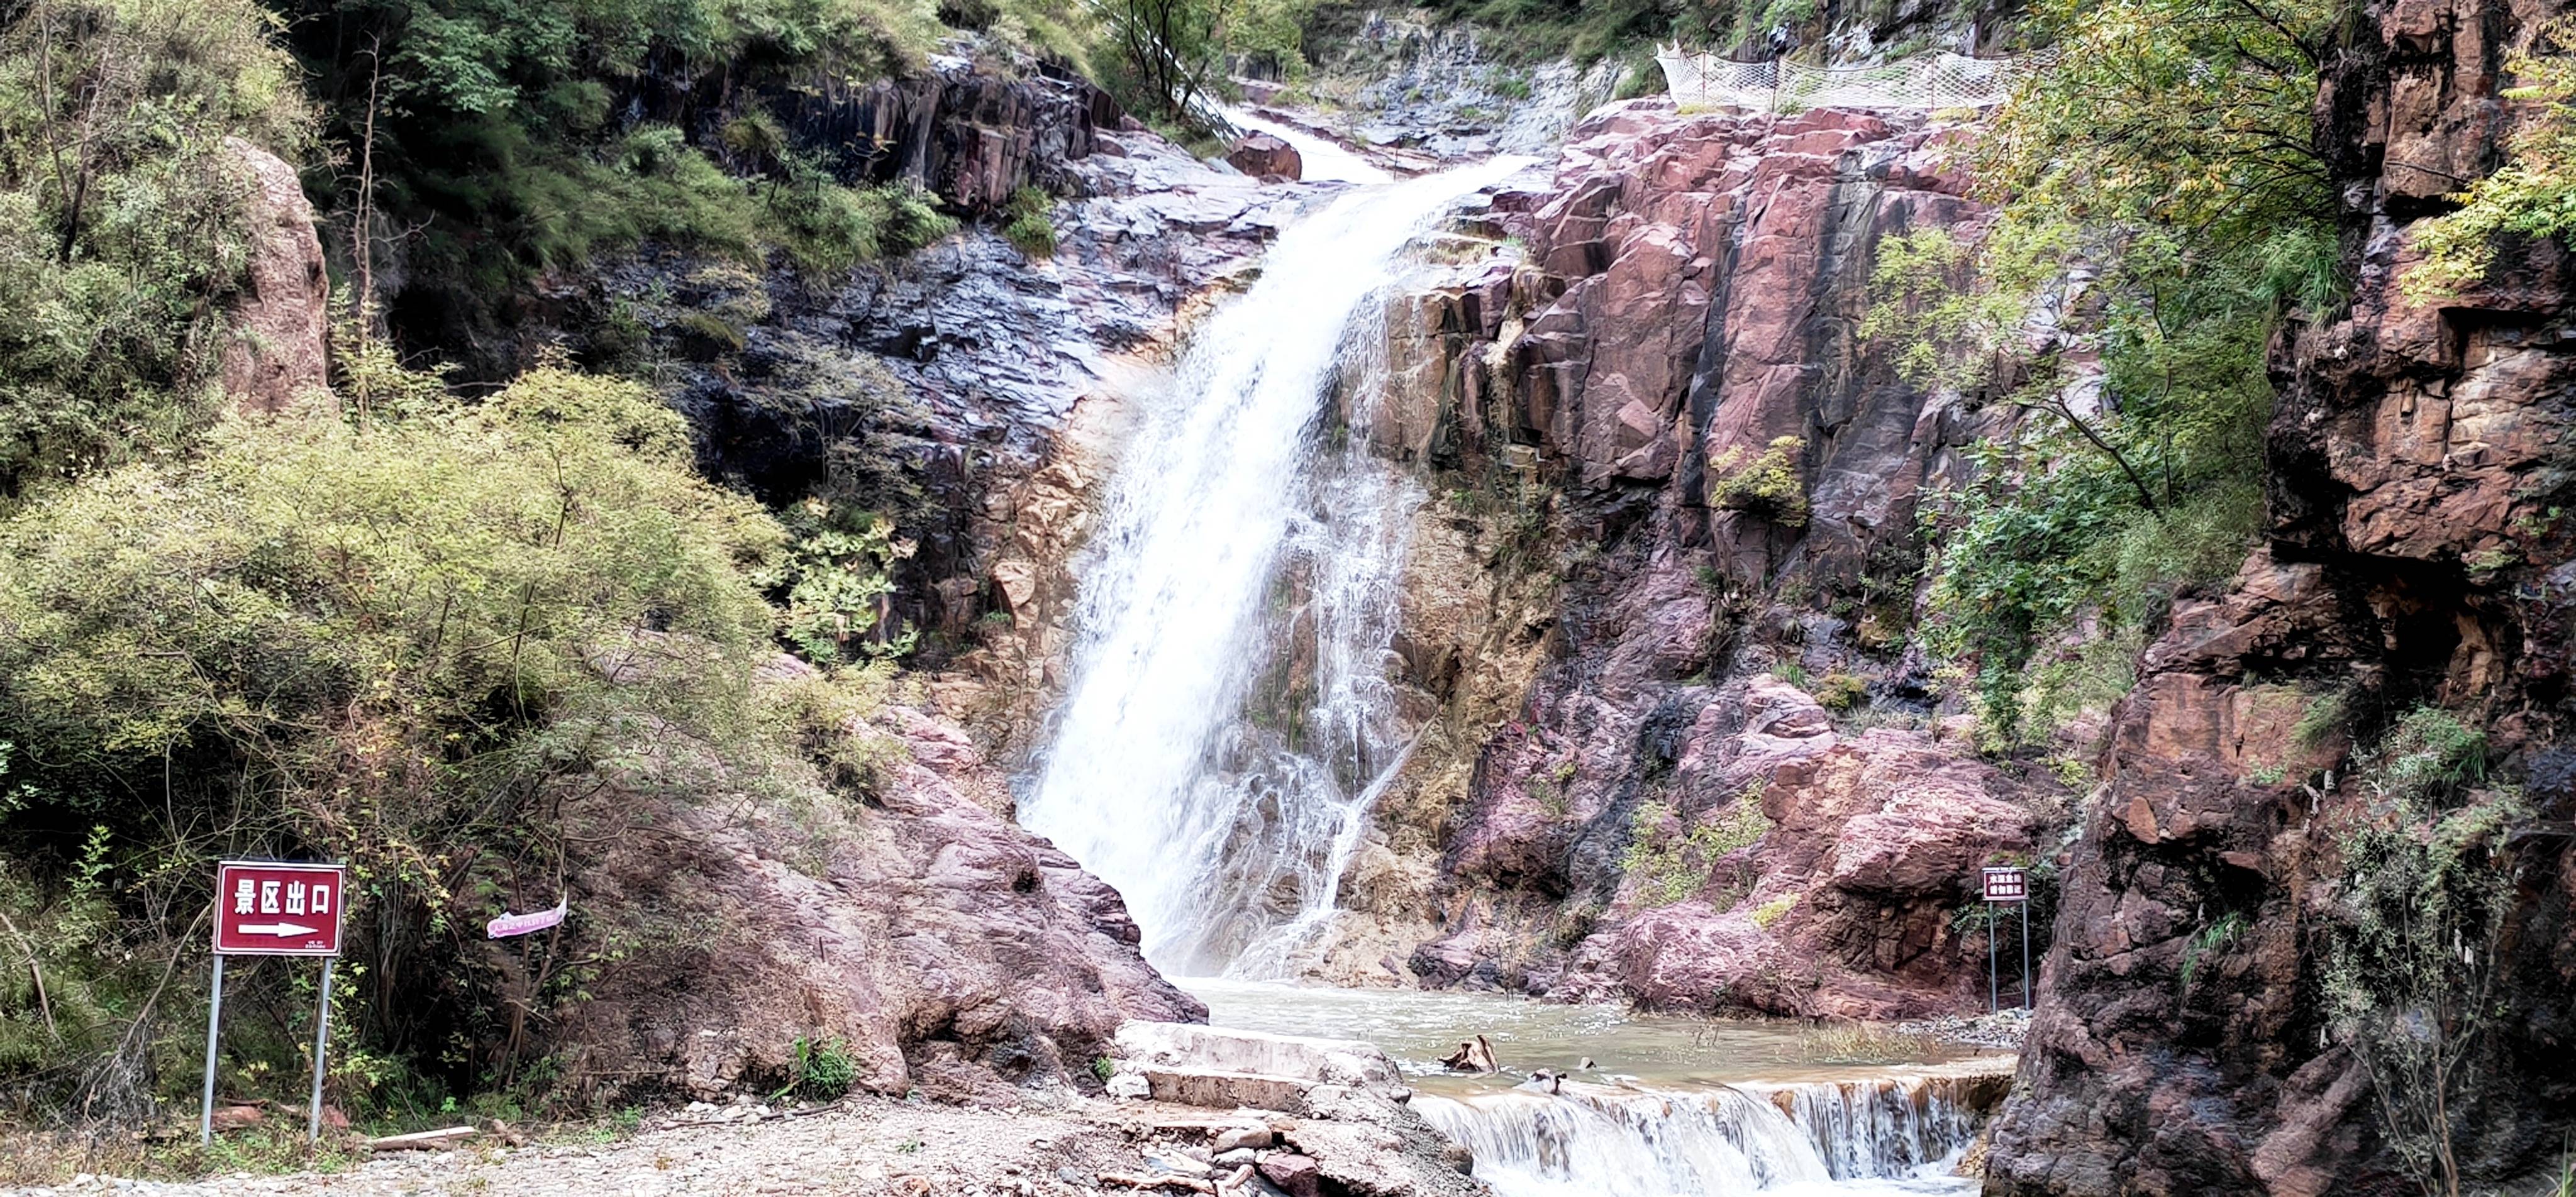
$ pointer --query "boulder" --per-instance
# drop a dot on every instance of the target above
(1265, 156)
(945, 948)
(1296, 1175)
(281, 323)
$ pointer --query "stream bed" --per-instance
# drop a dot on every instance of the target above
(1671, 1106)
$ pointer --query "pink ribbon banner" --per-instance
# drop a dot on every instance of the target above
(520, 924)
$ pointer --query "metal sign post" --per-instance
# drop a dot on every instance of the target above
(1999, 885)
(214, 1019)
(271, 908)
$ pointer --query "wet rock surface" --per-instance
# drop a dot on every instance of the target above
(1400, 79)
(2403, 567)
(953, 370)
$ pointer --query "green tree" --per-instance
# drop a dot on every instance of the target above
(395, 641)
(1171, 51)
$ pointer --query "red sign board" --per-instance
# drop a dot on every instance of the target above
(2006, 885)
(265, 908)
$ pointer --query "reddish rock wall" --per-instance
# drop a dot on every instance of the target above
(1690, 289)
(947, 948)
(2416, 555)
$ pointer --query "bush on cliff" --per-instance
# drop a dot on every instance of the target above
(2161, 201)
(2417, 960)
(122, 226)
(390, 640)
(1764, 484)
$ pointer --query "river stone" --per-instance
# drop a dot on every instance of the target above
(1243, 1137)
(1297, 1175)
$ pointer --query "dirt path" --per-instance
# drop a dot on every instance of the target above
(870, 1146)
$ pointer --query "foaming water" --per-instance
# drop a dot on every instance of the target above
(1229, 716)
(1715, 1142)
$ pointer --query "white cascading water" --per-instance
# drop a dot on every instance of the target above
(1713, 1142)
(1229, 716)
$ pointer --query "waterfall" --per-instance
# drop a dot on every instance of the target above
(1895, 1135)
(1229, 715)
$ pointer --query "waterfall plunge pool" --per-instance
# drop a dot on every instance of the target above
(1673, 1107)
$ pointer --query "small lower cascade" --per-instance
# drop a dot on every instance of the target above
(1880, 1127)
(1898, 1135)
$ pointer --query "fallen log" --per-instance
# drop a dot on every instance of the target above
(433, 1140)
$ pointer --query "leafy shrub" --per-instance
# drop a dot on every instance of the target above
(1026, 222)
(833, 581)
(653, 185)
(1764, 484)
(1840, 691)
(2412, 963)
(2216, 937)
(1669, 868)
(821, 1069)
(383, 640)
(2427, 756)
(1771, 912)
(2533, 195)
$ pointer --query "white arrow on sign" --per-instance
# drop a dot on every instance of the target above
(275, 929)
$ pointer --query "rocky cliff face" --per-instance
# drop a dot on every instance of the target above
(2416, 555)
(934, 387)
(1680, 519)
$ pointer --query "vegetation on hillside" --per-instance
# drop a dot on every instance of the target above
(2161, 208)
(121, 221)
(2415, 969)
(387, 641)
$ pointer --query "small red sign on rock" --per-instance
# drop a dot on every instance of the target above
(265, 908)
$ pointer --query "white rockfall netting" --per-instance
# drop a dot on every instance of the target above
(1933, 81)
